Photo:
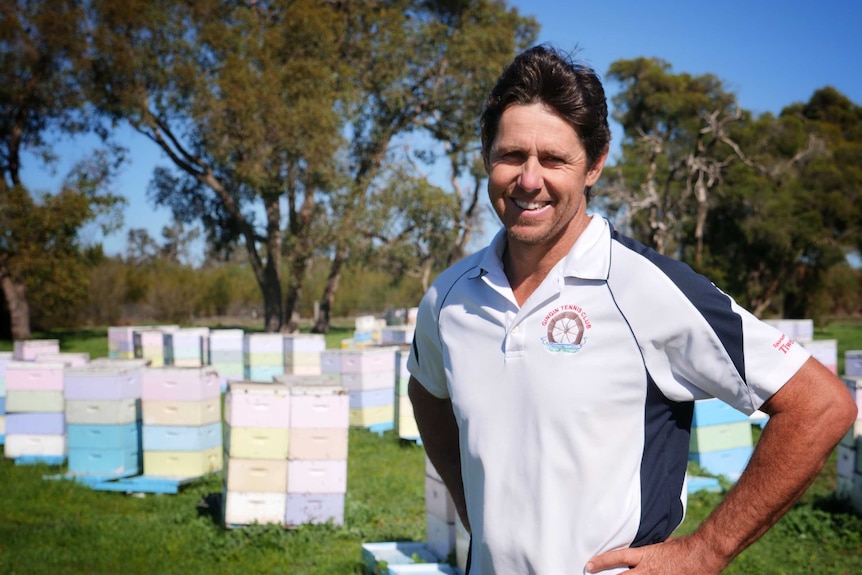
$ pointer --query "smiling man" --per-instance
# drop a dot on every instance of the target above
(553, 373)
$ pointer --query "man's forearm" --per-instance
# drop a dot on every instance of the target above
(794, 446)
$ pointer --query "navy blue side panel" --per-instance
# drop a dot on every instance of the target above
(706, 298)
(415, 350)
(667, 427)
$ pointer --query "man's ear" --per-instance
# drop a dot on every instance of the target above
(595, 171)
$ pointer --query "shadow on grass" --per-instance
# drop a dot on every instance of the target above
(211, 506)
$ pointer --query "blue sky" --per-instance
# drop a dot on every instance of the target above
(770, 53)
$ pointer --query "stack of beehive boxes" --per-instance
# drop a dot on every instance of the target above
(121, 339)
(103, 420)
(405, 421)
(302, 353)
(5, 358)
(317, 453)
(849, 481)
(286, 451)
(440, 514)
(224, 349)
(368, 374)
(825, 351)
(801, 330)
(263, 356)
(186, 347)
(181, 413)
(397, 335)
(257, 429)
(721, 438)
(35, 419)
(121, 342)
(149, 344)
(364, 328)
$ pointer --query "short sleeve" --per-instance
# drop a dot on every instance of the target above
(426, 360)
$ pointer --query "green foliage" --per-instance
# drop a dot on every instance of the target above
(765, 206)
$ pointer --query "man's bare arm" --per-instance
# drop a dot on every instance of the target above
(808, 417)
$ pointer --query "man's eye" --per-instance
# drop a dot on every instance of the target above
(512, 157)
(552, 161)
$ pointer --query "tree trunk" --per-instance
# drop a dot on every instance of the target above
(294, 294)
(323, 319)
(270, 287)
(15, 294)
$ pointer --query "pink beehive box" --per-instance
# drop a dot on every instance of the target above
(366, 381)
(32, 376)
(310, 443)
(317, 476)
(314, 406)
(368, 360)
(151, 338)
(263, 343)
(304, 343)
(28, 349)
(180, 383)
(255, 404)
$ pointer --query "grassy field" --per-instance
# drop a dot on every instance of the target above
(51, 527)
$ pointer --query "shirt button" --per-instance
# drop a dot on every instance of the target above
(515, 329)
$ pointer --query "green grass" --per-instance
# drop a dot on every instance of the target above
(50, 526)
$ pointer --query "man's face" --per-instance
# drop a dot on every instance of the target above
(537, 172)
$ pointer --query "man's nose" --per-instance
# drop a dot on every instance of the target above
(531, 175)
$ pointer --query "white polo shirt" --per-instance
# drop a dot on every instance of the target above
(575, 409)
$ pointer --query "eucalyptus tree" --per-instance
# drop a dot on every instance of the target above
(676, 149)
(426, 69)
(241, 98)
(792, 210)
(41, 255)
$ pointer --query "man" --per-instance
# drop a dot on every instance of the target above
(553, 373)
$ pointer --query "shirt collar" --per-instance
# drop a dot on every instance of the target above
(588, 259)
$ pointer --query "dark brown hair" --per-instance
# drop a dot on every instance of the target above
(542, 74)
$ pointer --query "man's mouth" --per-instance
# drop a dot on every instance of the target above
(529, 205)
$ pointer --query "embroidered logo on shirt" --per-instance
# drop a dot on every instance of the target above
(566, 326)
(783, 344)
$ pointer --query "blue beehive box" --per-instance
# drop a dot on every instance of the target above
(127, 436)
(697, 483)
(728, 462)
(392, 554)
(111, 462)
(182, 438)
(715, 412)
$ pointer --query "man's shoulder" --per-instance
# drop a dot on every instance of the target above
(468, 267)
